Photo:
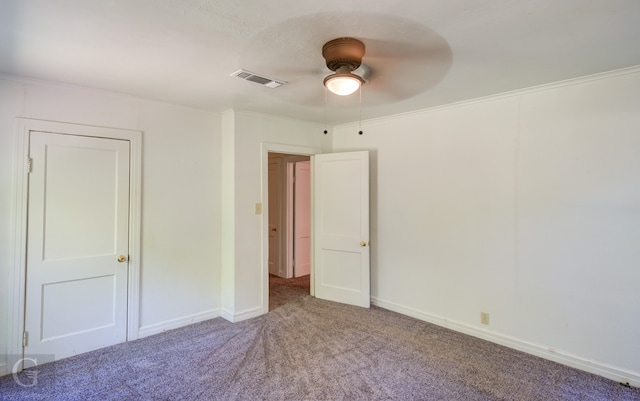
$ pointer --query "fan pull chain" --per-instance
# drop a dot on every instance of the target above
(360, 126)
(325, 110)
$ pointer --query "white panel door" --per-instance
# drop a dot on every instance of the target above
(341, 227)
(77, 244)
(302, 219)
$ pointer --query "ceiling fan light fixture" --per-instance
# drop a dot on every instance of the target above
(343, 55)
(343, 84)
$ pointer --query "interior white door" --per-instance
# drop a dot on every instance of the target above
(341, 227)
(77, 244)
(302, 219)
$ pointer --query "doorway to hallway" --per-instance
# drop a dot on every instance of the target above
(340, 268)
(289, 194)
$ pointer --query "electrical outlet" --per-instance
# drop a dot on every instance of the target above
(484, 318)
(258, 208)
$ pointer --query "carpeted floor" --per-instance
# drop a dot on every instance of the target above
(282, 290)
(309, 349)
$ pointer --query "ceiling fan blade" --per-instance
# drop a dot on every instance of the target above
(397, 70)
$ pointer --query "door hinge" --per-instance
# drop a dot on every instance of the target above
(25, 338)
(29, 165)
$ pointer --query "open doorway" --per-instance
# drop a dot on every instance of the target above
(289, 200)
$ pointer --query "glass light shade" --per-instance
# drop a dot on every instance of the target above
(343, 84)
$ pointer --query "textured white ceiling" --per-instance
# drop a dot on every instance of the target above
(420, 53)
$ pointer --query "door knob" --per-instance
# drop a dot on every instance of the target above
(122, 258)
(363, 243)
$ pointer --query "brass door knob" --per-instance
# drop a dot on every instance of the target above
(122, 258)
(363, 243)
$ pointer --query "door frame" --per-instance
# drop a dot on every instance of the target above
(17, 274)
(276, 148)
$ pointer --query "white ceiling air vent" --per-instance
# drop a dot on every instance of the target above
(250, 76)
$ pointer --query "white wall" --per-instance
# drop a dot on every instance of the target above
(525, 206)
(245, 136)
(180, 267)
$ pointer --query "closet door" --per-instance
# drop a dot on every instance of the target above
(77, 244)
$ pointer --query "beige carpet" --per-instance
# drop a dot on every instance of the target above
(309, 349)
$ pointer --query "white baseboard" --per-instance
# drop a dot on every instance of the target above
(427, 317)
(3, 369)
(244, 315)
(156, 328)
(226, 315)
(559, 356)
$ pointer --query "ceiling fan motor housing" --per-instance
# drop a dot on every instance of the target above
(343, 52)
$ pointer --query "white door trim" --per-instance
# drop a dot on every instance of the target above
(275, 148)
(17, 274)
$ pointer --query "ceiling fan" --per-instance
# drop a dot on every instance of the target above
(394, 58)
(343, 56)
